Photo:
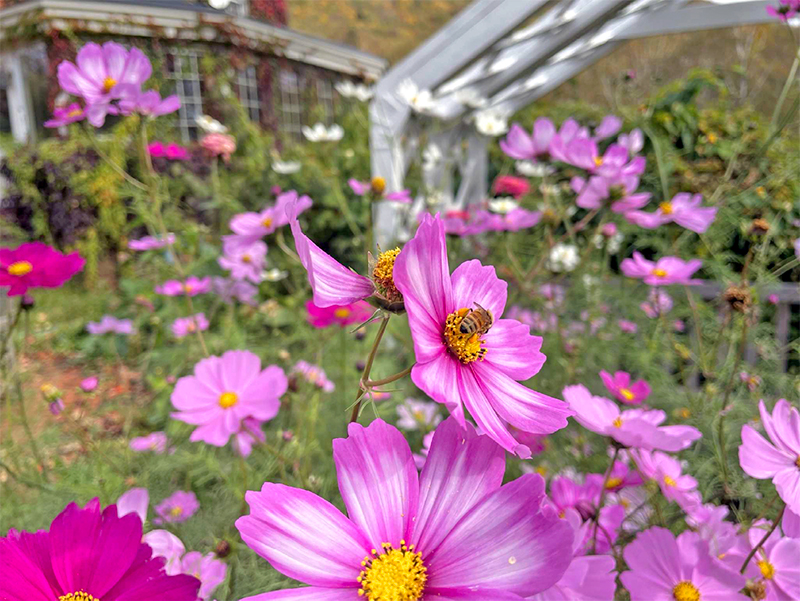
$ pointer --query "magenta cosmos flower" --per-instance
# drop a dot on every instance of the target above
(518, 144)
(665, 271)
(623, 390)
(178, 507)
(451, 532)
(36, 265)
(785, 9)
(684, 209)
(377, 189)
(89, 384)
(65, 115)
(87, 555)
(779, 460)
(155, 442)
(173, 152)
(513, 186)
(342, 316)
(191, 287)
(270, 219)
(632, 428)
(663, 568)
(225, 390)
(464, 350)
(183, 326)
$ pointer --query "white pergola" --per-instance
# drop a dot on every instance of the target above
(507, 54)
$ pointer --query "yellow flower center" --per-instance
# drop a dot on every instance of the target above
(383, 275)
(176, 511)
(541, 470)
(685, 413)
(767, 569)
(712, 137)
(228, 399)
(685, 591)
(797, 461)
(246, 259)
(666, 208)
(74, 113)
(378, 184)
(77, 596)
(598, 161)
(626, 393)
(20, 268)
(613, 483)
(108, 83)
(670, 481)
(467, 347)
(617, 423)
(393, 575)
(187, 288)
(267, 222)
(625, 503)
(659, 273)
(342, 312)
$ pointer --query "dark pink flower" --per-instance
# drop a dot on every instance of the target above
(684, 209)
(665, 271)
(449, 532)
(519, 145)
(88, 384)
(480, 366)
(508, 184)
(178, 507)
(65, 115)
(88, 554)
(36, 265)
(341, 315)
(620, 386)
(628, 326)
(219, 145)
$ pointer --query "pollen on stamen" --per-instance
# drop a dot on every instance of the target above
(78, 596)
(467, 348)
(666, 208)
(393, 574)
(383, 275)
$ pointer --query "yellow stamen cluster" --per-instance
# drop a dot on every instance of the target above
(77, 596)
(666, 208)
(383, 274)
(74, 113)
(176, 511)
(797, 461)
(466, 347)
(659, 273)
(626, 393)
(19, 268)
(685, 591)
(246, 259)
(267, 222)
(378, 185)
(108, 83)
(342, 312)
(393, 574)
(612, 483)
(228, 399)
(598, 161)
(670, 481)
(617, 423)
(767, 569)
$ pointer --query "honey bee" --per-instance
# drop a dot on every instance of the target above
(476, 321)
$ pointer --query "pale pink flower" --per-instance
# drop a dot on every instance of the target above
(178, 507)
(665, 271)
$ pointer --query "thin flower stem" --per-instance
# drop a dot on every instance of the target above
(120, 171)
(10, 331)
(603, 498)
(698, 334)
(24, 481)
(763, 539)
(724, 403)
(26, 425)
(368, 366)
(279, 238)
(785, 92)
(382, 381)
(243, 468)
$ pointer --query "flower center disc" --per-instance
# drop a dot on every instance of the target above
(467, 347)
(393, 575)
(613, 483)
(617, 423)
(20, 268)
(341, 312)
(228, 399)
(108, 83)
(767, 569)
(176, 511)
(77, 596)
(626, 393)
(666, 208)
(670, 481)
(378, 184)
(383, 275)
(267, 222)
(659, 273)
(685, 591)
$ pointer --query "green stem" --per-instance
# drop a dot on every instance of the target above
(603, 498)
(368, 366)
(784, 92)
(763, 539)
(394, 378)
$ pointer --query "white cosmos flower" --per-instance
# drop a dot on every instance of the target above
(275, 274)
(531, 169)
(503, 205)
(563, 257)
(320, 133)
(420, 101)
(472, 98)
(491, 123)
(431, 157)
(210, 125)
(286, 167)
(359, 91)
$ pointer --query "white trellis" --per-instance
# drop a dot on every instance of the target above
(498, 56)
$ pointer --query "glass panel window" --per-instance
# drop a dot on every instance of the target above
(248, 91)
(184, 71)
(291, 105)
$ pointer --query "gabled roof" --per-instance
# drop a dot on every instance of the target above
(187, 20)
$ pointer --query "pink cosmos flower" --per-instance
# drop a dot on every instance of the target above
(178, 507)
(191, 287)
(270, 219)
(225, 390)
(711, 523)
(667, 472)
(167, 545)
(753, 381)
(627, 326)
(481, 366)
(609, 230)
(658, 302)
(570, 131)
(148, 103)
(415, 414)
(632, 428)
(451, 532)
(678, 325)
(620, 386)
(314, 374)
(65, 115)
(797, 248)
(155, 441)
(228, 289)
(665, 569)
(583, 153)
(791, 524)
(151, 242)
(665, 271)
(109, 323)
(365, 188)
(244, 258)
(421, 457)
(621, 476)
(183, 326)
(513, 186)
(773, 299)
(88, 554)
(516, 220)
(619, 191)
(634, 141)
(219, 145)
(36, 265)
(208, 570)
(519, 145)
(684, 209)
(342, 316)
(610, 125)
(785, 10)
(136, 500)
(89, 384)
(610, 520)
(249, 433)
(569, 493)
(779, 460)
